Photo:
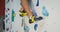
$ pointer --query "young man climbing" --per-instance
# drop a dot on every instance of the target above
(26, 9)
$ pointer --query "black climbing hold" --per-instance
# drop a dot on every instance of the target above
(30, 21)
(7, 29)
(39, 18)
(8, 9)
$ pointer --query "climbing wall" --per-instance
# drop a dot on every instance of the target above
(48, 9)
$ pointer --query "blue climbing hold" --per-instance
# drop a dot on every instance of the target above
(35, 27)
(37, 3)
(26, 28)
(7, 20)
(44, 11)
(6, 16)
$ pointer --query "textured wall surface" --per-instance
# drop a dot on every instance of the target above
(48, 9)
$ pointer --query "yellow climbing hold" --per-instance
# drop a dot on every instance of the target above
(14, 14)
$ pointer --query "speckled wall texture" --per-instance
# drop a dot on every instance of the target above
(48, 9)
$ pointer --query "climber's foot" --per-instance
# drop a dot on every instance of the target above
(22, 13)
(33, 19)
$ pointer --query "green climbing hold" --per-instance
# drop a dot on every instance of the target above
(13, 15)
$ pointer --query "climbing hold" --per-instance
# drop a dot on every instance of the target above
(13, 15)
(7, 20)
(7, 29)
(38, 18)
(26, 28)
(8, 9)
(6, 16)
(37, 3)
(35, 27)
(44, 11)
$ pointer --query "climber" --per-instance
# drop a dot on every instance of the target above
(27, 9)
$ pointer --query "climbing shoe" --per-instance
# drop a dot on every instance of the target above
(33, 19)
(22, 13)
